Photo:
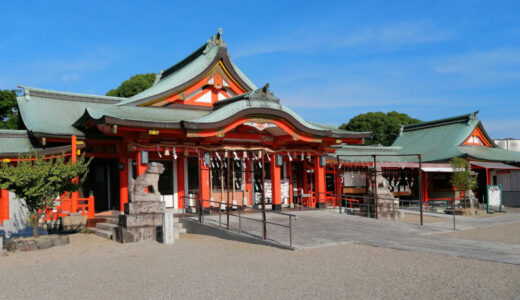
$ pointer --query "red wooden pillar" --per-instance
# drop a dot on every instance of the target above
(75, 195)
(249, 190)
(204, 182)
(305, 178)
(425, 186)
(4, 205)
(276, 184)
(123, 181)
(488, 177)
(181, 193)
(289, 175)
(141, 168)
(319, 182)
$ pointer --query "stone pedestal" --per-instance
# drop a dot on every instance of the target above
(143, 220)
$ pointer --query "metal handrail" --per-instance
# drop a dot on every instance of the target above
(201, 209)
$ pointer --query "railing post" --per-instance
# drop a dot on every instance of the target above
(219, 217)
(199, 209)
(290, 231)
(239, 222)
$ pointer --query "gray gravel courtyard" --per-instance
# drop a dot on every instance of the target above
(198, 266)
(322, 228)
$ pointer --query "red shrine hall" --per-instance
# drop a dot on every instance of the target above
(219, 137)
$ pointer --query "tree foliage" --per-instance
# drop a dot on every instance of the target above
(133, 86)
(8, 109)
(462, 178)
(384, 127)
(39, 181)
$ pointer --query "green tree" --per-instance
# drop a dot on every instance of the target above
(133, 86)
(39, 181)
(8, 109)
(462, 178)
(384, 127)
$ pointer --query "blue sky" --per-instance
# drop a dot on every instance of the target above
(327, 60)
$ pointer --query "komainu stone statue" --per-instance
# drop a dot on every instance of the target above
(143, 217)
(149, 180)
(387, 206)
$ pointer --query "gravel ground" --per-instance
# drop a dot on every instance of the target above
(201, 266)
(506, 233)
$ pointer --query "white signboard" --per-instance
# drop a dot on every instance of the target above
(354, 179)
(267, 190)
(285, 189)
(494, 195)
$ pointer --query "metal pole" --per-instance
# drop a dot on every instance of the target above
(453, 205)
(227, 204)
(420, 188)
(199, 209)
(375, 185)
(264, 220)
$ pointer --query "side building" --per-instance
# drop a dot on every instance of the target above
(437, 142)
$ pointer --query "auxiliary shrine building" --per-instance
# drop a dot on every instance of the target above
(219, 137)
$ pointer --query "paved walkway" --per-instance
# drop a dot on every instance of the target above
(321, 228)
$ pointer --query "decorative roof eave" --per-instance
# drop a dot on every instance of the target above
(109, 120)
(222, 55)
(42, 151)
(256, 112)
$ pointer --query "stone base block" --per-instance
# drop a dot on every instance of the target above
(134, 220)
(144, 207)
(136, 234)
(32, 243)
(146, 197)
(74, 222)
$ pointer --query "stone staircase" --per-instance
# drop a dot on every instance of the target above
(106, 224)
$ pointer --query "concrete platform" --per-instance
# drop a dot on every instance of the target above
(322, 228)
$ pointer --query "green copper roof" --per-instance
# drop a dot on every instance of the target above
(436, 143)
(145, 114)
(441, 140)
(493, 154)
(43, 93)
(18, 142)
(53, 116)
(184, 71)
(262, 100)
(15, 141)
(362, 154)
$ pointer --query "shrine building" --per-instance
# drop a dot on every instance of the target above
(219, 137)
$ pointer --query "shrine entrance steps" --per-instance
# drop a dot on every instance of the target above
(104, 224)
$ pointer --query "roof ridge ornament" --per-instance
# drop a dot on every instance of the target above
(215, 40)
(158, 77)
(263, 94)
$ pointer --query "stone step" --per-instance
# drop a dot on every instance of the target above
(180, 230)
(109, 213)
(112, 220)
(102, 233)
(106, 226)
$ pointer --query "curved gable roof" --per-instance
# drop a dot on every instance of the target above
(191, 70)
